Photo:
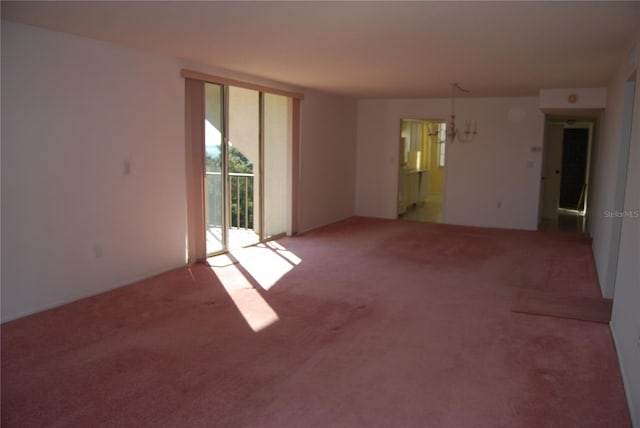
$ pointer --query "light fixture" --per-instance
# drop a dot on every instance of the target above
(452, 131)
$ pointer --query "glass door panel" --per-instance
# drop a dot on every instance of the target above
(244, 162)
(214, 168)
(246, 131)
(276, 174)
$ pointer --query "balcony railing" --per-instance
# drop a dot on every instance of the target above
(241, 198)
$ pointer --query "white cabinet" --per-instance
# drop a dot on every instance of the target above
(411, 189)
(423, 187)
(416, 185)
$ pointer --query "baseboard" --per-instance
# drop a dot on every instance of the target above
(635, 423)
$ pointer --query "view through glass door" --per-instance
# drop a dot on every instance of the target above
(215, 216)
(245, 129)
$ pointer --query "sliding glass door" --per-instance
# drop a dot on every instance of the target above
(243, 176)
(245, 131)
(215, 154)
(277, 165)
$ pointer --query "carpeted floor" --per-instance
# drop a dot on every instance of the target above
(367, 322)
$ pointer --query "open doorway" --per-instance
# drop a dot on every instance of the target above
(565, 175)
(421, 170)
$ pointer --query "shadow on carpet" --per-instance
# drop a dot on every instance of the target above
(537, 302)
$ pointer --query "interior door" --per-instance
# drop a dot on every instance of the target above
(552, 172)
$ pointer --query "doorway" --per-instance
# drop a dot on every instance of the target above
(421, 171)
(575, 153)
(565, 177)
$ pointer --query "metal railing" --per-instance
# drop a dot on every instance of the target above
(240, 197)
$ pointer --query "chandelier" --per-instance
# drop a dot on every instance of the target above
(452, 132)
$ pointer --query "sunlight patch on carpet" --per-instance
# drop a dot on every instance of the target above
(266, 263)
(254, 308)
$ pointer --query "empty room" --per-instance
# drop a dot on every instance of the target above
(320, 214)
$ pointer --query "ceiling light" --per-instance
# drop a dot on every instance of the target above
(452, 132)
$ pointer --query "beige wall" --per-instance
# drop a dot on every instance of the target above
(327, 159)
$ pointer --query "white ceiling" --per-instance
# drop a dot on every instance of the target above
(369, 49)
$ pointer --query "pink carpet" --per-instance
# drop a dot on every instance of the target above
(377, 323)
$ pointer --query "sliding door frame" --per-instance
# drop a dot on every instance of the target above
(224, 152)
(195, 159)
(261, 162)
(196, 250)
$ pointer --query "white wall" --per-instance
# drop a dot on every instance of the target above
(77, 113)
(498, 167)
(604, 183)
(625, 322)
(620, 277)
(327, 159)
(585, 98)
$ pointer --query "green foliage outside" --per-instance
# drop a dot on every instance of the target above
(242, 201)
